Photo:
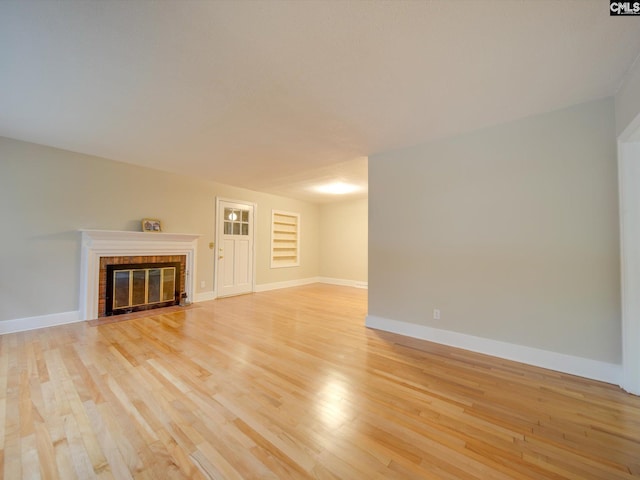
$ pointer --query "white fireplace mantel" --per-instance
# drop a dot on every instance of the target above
(111, 243)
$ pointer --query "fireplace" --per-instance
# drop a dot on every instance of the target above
(101, 248)
(133, 283)
(141, 286)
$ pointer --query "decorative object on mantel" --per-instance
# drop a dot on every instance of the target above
(151, 225)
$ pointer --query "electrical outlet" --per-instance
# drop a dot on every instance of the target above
(436, 314)
(203, 284)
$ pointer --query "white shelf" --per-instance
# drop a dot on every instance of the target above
(285, 239)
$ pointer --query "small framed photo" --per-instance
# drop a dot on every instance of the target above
(151, 225)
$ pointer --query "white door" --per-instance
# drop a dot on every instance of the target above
(234, 248)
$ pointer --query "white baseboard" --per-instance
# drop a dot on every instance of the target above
(204, 296)
(265, 287)
(343, 282)
(41, 321)
(583, 367)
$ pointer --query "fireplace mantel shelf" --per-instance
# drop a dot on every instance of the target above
(124, 235)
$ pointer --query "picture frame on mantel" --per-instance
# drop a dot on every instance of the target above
(152, 225)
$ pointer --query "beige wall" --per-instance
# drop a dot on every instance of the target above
(343, 240)
(511, 231)
(47, 194)
(627, 99)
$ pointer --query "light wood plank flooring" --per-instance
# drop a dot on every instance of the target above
(289, 384)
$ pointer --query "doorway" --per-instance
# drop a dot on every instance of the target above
(235, 251)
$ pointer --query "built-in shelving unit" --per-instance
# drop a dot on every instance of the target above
(285, 239)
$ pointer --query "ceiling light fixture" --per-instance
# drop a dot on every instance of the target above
(337, 188)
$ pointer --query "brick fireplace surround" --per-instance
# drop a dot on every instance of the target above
(103, 247)
(123, 260)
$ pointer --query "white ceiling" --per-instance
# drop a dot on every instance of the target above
(274, 95)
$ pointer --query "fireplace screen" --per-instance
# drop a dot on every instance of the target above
(141, 286)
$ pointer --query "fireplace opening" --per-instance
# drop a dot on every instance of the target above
(141, 286)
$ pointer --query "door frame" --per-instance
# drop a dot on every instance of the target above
(218, 237)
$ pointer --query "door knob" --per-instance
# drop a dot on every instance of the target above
(220, 257)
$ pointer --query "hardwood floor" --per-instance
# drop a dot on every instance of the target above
(289, 384)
